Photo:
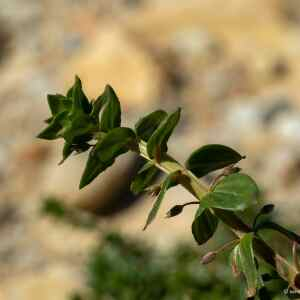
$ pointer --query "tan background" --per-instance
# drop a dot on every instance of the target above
(234, 66)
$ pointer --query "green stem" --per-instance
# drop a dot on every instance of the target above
(168, 165)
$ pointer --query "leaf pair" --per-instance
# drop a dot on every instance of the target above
(76, 120)
(116, 142)
(156, 129)
(70, 119)
(144, 178)
(111, 115)
(234, 192)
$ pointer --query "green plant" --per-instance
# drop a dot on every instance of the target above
(58, 210)
(122, 267)
(96, 126)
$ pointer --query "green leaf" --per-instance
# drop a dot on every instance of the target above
(236, 261)
(97, 106)
(265, 210)
(79, 127)
(58, 103)
(70, 93)
(115, 143)
(111, 115)
(80, 101)
(158, 140)
(146, 126)
(67, 151)
(204, 225)
(248, 264)
(54, 128)
(169, 182)
(144, 178)
(210, 158)
(234, 192)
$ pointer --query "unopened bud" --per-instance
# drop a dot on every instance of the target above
(267, 209)
(208, 257)
(231, 170)
(174, 211)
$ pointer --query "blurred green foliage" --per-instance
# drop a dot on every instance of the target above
(56, 209)
(125, 269)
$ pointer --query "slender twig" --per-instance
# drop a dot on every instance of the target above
(190, 203)
(168, 165)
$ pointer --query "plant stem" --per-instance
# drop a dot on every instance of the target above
(168, 165)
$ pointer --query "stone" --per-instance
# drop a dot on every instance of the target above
(56, 282)
(62, 181)
(113, 57)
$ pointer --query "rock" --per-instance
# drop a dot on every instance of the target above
(56, 282)
(278, 106)
(113, 57)
(77, 241)
(63, 181)
(287, 127)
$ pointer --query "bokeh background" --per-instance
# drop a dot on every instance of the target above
(233, 66)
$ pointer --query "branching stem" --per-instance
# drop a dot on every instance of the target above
(168, 165)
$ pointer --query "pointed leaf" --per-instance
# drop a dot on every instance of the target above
(97, 105)
(78, 128)
(55, 126)
(169, 182)
(115, 143)
(67, 151)
(70, 93)
(146, 126)
(204, 225)
(111, 115)
(58, 103)
(144, 178)
(210, 158)
(248, 264)
(160, 137)
(80, 101)
(234, 192)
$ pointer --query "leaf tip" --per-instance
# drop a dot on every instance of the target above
(77, 79)
(83, 182)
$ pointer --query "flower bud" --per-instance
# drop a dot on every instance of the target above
(174, 211)
(267, 209)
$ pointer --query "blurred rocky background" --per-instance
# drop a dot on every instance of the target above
(233, 66)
